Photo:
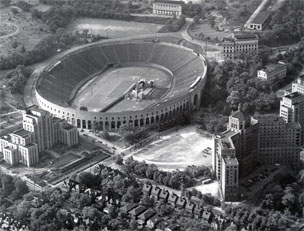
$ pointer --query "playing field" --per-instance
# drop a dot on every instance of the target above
(110, 87)
(178, 150)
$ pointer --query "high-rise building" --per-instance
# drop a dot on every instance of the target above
(279, 142)
(235, 153)
(40, 131)
(251, 142)
(292, 109)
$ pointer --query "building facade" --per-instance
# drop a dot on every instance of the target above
(279, 142)
(165, 7)
(250, 142)
(272, 72)
(292, 109)
(298, 85)
(40, 131)
(235, 152)
(239, 44)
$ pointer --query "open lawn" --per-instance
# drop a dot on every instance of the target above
(177, 150)
(112, 28)
(207, 31)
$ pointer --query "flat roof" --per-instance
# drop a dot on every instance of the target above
(244, 36)
(293, 95)
(231, 161)
(22, 133)
(68, 127)
(261, 18)
(170, 2)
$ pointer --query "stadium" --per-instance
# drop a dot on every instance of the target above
(134, 83)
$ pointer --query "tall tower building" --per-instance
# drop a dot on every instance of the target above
(235, 152)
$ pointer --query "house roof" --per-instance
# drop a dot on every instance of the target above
(155, 219)
(147, 214)
(147, 188)
(181, 202)
(156, 190)
(190, 206)
(173, 198)
(164, 194)
(195, 200)
(261, 18)
(138, 210)
(129, 207)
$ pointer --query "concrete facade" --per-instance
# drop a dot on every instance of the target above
(240, 44)
(163, 7)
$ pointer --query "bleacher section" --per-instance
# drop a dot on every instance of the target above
(58, 82)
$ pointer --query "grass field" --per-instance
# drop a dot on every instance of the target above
(113, 28)
(177, 150)
(64, 160)
(208, 31)
(113, 83)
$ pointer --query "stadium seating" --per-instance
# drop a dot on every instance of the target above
(64, 77)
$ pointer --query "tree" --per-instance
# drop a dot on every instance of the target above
(119, 160)
(5, 2)
(196, 19)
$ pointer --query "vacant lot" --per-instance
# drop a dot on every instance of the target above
(112, 28)
(177, 150)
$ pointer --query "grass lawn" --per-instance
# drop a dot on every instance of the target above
(112, 28)
(208, 31)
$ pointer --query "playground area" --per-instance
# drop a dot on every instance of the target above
(178, 150)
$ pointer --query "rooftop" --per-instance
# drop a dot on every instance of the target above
(274, 66)
(22, 133)
(244, 36)
(293, 95)
(231, 161)
(261, 18)
(226, 140)
(69, 127)
(269, 118)
(170, 2)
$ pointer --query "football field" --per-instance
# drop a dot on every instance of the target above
(110, 87)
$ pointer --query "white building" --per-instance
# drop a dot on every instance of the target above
(272, 72)
(166, 7)
(298, 85)
(292, 109)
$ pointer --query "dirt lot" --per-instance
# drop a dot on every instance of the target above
(112, 28)
(177, 150)
(21, 28)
